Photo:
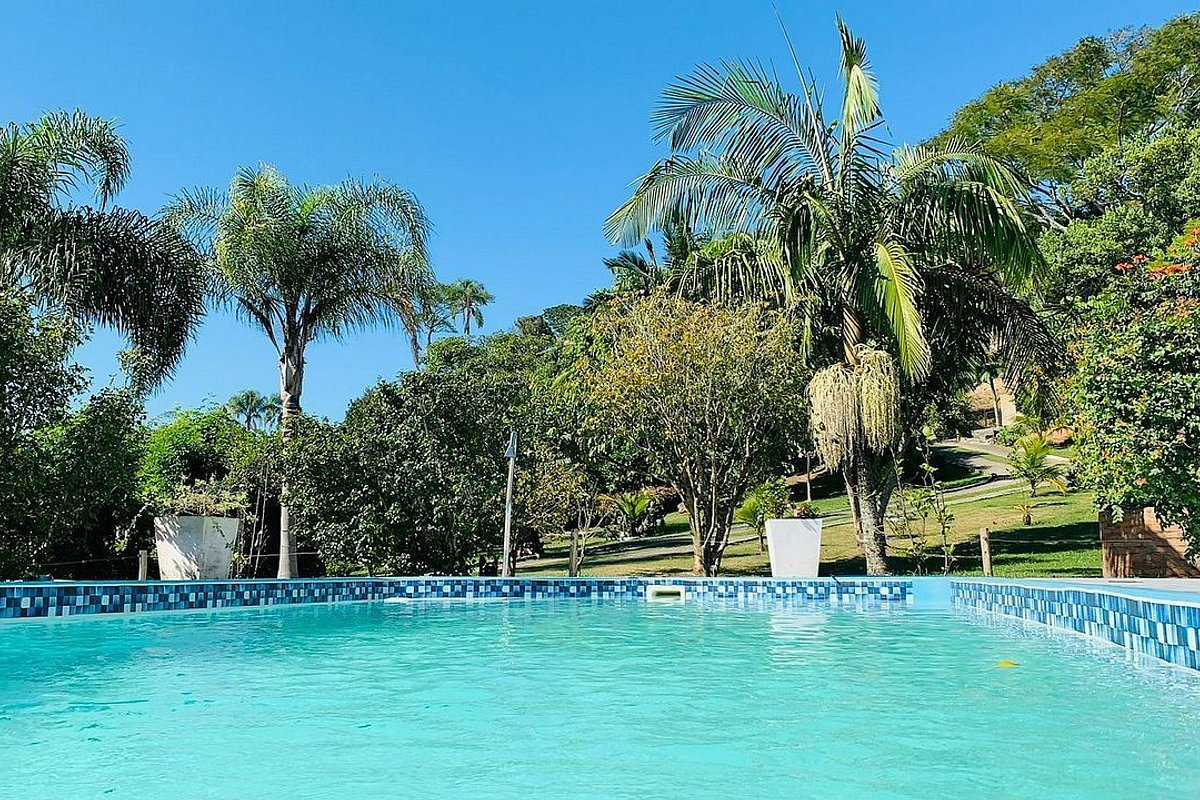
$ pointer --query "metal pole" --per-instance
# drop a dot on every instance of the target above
(511, 453)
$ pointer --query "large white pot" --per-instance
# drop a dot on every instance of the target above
(194, 548)
(795, 547)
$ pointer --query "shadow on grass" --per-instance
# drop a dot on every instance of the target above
(1011, 549)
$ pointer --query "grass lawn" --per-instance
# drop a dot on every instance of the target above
(1063, 541)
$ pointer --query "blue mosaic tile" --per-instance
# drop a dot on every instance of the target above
(1165, 630)
(61, 599)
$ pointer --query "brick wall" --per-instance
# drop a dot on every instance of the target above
(1139, 546)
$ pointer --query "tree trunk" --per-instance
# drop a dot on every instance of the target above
(870, 477)
(414, 343)
(291, 384)
(995, 402)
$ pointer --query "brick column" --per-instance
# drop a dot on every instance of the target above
(1139, 546)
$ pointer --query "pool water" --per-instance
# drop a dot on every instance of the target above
(583, 699)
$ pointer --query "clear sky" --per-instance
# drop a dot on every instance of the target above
(519, 125)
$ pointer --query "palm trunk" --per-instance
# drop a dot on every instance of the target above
(995, 402)
(414, 343)
(291, 384)
(870, 478)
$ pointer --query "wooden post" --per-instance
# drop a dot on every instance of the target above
(143, 564)
(573, 571)
(985, 551)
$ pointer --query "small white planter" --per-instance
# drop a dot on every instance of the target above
(795, 547)
(194, 548)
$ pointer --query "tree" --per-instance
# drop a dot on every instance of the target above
(907, 258)
(468, 297)
(1029, 460)
(98, 264)
(254, 409)
(707, 395)
(303, 263)
(1092, 97)
(1138, 390)
(413, 480)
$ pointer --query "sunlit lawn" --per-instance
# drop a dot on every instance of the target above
(1062, 542)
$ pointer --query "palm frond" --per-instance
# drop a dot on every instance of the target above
(896, 289)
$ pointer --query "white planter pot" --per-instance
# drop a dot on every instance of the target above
(795, 547)
(194, 548)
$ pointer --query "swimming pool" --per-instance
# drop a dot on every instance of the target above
(585, 698)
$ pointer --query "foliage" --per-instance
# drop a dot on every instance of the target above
(304, 263)
(879, 254)
(1138, 388)
(768, 500)
(467, 298)
(1029, 460)
(192, 447)
(98, 264)
(1014, 431)
(1026, 510)
(254, 409)
(1090, 97)
(1138, 193)
(706, 395)
(632, 510)
(924, 520)
(203, 498)
(413, 480)
(949, 418)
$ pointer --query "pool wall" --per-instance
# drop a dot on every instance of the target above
(61, 599)
(1163, 628)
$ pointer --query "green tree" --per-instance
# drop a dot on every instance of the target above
(1090, 98)
(467, 298)
(891, 251)
(254, 409)
(303, 263)
(413, 480)
(1030, 461)
(98, 264)
(38, 383)
(706, 395)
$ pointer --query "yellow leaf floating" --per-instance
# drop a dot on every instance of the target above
(1006, 664)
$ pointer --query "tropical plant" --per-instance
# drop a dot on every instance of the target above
(1029, 460)
(254, 409)
(1026, 512)
(99, 264)
(303, 263)
(632, 511)
(768, 500)
(467, 298)
(889, 252)
(421, 305)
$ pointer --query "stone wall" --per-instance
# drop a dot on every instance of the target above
(1139, 546)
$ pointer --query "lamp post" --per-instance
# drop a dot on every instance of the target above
(511, 455)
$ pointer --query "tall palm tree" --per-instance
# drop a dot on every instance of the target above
(907, 256)
(422, 306)
(468, 297)
(106, 265)
(303, 263)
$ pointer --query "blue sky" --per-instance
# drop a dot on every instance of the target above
(518, 124)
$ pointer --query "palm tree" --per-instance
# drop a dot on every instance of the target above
(1029, 460)
(468, 297)
(422, 306)
(254, 409)
(889, 251)
(102, 264)
(247, 407)
(303, 263)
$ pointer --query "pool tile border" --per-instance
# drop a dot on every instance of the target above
(1165, 629)
(62, 599)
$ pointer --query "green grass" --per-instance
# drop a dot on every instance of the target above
(1063, 541)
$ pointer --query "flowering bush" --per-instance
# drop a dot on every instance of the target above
(1138, 387)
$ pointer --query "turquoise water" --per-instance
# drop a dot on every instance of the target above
(604, 700)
